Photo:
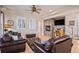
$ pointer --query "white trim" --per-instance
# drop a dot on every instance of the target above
(40, 48)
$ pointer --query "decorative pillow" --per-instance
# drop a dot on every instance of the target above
(15, 33)
(6, 38)
(47, 46)
(19, 36)
(15, 37)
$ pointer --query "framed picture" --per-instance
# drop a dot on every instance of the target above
(72, 23)
(48, 28)
(10, 22)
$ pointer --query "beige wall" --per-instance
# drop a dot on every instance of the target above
(72, 31)
(26, 30)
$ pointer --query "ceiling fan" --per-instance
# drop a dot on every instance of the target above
(34, 9)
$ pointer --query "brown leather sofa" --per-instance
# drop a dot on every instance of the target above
(13, 47)
(58, 45)
(9, 45)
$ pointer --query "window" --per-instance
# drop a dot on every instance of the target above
(21, 23)
(32, 25)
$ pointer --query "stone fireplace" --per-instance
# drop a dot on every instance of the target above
(59, 31)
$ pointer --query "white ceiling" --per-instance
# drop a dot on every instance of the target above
(25, 8)
(45, 9)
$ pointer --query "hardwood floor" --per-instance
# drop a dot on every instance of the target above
(75, 47)
(28, 49)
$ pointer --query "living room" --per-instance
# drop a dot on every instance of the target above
(39, 23)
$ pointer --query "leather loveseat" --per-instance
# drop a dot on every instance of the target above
(9, 45)
(13, 47)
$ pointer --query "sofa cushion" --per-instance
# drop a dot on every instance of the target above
(15, 37)
(6, 38)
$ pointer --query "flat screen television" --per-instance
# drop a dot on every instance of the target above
(59, 22)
